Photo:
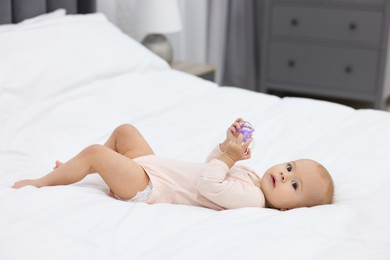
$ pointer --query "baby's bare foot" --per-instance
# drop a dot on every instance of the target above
(58, 164)
(22, 183)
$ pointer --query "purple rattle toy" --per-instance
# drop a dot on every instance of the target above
(246, 129)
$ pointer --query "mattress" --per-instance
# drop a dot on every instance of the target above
(68, 81)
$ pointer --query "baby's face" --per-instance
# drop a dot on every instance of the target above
(300, 183)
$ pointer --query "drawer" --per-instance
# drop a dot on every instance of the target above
(323, 67)
(327, 23)
(300, 1)
(360, 2)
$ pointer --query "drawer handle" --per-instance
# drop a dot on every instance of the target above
(352, 26)
(294, 22)
(348, 69)
(291, 63)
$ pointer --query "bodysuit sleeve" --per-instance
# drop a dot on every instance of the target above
(228, 193)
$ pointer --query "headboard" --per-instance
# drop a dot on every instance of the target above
(14, 11)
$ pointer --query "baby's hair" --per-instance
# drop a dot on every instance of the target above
(324, 196)
(328, 198)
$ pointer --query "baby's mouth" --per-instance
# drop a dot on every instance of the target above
(273, 180)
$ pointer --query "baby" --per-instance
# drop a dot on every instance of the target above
(300, 183)
(134, 173)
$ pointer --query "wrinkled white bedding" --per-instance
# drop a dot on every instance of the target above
(182, 117)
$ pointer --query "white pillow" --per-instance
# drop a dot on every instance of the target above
(46, 58)
(40, 18)
(45, 17)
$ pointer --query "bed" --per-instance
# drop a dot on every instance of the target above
(66, 81)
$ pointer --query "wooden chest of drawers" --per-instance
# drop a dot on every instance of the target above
(329, 48)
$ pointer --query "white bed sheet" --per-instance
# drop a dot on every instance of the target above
(184, 117)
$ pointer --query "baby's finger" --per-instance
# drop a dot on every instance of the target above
(239, 120)
(247, 143)
(232, 130)
(236, 126)
(237, 123)
(247, 153)
(240, 139)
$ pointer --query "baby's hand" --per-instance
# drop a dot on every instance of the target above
(231, 133)
(235, 150)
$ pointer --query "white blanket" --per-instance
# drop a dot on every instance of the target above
(49, 113)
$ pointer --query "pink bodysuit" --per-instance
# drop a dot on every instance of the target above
(211, 184)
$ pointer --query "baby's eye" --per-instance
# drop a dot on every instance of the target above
(289, 167)
(294, 184)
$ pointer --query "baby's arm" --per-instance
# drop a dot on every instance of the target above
(229, 193)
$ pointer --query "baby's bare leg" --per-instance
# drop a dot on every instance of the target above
(124, 177)
(127, 140)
